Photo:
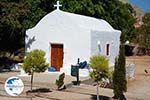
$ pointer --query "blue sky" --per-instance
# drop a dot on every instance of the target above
(143, 4)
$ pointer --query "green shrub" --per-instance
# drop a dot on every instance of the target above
(119, 75)
(60, 81)
(99, 64)
(35, 62)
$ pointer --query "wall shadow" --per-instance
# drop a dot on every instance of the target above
(29, 42)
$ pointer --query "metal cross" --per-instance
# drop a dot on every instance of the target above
(57, 5)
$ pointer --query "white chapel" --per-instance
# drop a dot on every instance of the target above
(65, 37)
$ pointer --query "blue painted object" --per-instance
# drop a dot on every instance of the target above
(83, 65)
(51, 69)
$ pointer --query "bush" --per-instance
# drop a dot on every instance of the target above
(35, 62)
(99, 64)
(119, 75)
(60, 81)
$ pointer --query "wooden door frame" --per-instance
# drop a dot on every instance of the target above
(50, 45)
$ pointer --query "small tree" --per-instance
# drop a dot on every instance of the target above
(99, 64)
(119, 75)
(35, 62)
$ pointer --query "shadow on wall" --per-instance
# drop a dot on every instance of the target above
(29, 42)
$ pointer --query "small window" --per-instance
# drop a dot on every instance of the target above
(99, 46)
(107, 49)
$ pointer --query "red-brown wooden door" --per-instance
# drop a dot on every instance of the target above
(57, 56)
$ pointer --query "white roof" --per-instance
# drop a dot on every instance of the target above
(76, 20)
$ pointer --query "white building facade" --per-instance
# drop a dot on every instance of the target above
(65, 37)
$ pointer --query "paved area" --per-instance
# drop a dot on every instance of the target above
(138, 88)
(82, 92)
(41, 80)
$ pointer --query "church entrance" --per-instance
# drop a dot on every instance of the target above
(57, 56)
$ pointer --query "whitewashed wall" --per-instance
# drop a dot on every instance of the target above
(62, 30)
(103, 38)
(76, 33)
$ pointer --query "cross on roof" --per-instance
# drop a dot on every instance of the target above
(57, 5)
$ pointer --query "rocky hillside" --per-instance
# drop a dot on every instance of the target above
(139, 12)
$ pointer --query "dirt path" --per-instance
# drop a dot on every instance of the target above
(139, 88)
